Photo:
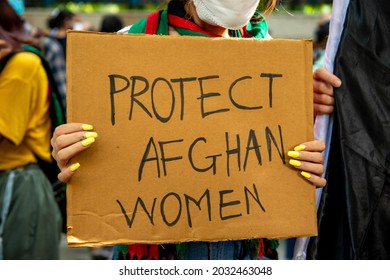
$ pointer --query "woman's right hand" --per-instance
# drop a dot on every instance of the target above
(69, 140)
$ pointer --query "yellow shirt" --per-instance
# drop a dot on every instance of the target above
(24, 112)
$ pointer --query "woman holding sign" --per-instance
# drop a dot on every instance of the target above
(207, 18)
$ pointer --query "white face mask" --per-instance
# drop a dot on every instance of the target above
(230, 14)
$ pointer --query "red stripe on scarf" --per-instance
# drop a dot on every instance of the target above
(152, 23)
(245, 33)
(186, 24)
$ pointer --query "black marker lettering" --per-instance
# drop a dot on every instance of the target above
(213, 157)
(146, 158)
(271, 77)
(158, 116)
(163, 158)
(162, 209)
(134, 96)
(113, 91)
(182, 81)
(197, 203)
(223, 204)
(269, 136)
(139, 201)
(230, 152)
(204, 95)
(252, 140)
(255, 196)
(239, 106)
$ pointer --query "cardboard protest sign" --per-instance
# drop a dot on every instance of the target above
(193, 137)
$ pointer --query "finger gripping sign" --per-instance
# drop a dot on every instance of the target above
(193, 136)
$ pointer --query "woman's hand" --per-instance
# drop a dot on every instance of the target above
(308, 158)
(323, 84)
(69, 140)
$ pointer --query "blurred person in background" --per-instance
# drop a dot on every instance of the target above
(321, 34)
(62, 20)
(53, 45)
(30, 220)
(53, 51)
(19, 7)
(59, 22)
(111, 23)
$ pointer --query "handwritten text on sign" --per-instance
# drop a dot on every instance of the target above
(155, 156)
(191, 147)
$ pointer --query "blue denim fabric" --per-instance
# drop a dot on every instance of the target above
(224, 250)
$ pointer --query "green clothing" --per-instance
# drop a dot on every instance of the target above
(31, 228)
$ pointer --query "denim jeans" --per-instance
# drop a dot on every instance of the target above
(224, 250)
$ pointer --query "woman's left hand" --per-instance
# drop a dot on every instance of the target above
(308, 158)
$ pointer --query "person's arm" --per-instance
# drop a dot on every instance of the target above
(69, 140)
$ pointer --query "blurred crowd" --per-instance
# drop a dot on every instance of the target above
(33, 63)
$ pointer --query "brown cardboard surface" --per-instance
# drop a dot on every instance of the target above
(193, 137)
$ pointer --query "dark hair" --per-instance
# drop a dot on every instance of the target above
(111, 23)
(59, 17)
(322, 32)
(11, 26)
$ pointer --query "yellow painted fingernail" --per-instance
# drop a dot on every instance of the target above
(90, 135)
(74, 166)
(87, 126)
(299, 148)
(293, 154)
(87, 141)
(293, 162)
(306, 175)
